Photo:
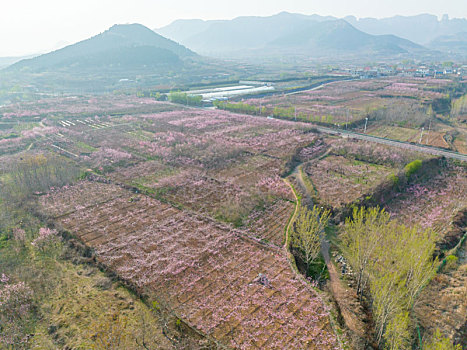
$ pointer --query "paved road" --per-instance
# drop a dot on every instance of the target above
(400, 144)
(381, 140)
(313, 88)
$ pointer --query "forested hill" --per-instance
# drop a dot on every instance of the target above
(122, 47)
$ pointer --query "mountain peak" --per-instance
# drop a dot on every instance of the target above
(129, 28)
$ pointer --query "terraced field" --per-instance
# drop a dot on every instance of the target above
(206, 272)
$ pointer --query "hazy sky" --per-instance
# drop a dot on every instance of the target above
(29, 26)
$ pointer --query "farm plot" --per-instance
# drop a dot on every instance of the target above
(204, 271)
(394, 132)
(460, 140)
(443, 302)
(431, 138)
(340, 181)
(67, 120)
(147, 173)
(210, 163)
(82, 107)
(206, 140)
(208, 134)
(411, 87)
(17, 142)
(370, 152)
(227, 198)
(248, 170)
(222, 199)
(350, 102)
(215, 163)
(434, 203)
(270, 223)
(338, 102)
(68, 199)
(201, 193)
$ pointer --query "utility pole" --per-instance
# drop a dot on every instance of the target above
(429, 129)
(347, 118)
(366, 123)
(421, 136)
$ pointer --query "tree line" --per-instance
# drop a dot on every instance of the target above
(391, 264)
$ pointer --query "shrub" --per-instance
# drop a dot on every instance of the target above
(439, 342)
(19, 235)
(317, 271)
(4, 238)
(16, 305)
(48, 241)
(394, 180)
(111, 332)
(451, 262)
(411, 168)
(184, 98)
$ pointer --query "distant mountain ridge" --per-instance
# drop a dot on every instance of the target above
(125, 46)
(454, 43)
(8, 61)
(393, 35)
(284, 32)
(340, 36)
(420, 28)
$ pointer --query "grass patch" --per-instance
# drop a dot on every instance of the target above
(84, 146)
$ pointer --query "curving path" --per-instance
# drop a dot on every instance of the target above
(346, 299)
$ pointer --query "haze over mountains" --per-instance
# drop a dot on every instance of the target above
(421, 29)
(455, 43)
(180, 52)
(134, 47)
(309, 33)
(8, 61)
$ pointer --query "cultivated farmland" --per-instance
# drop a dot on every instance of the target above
(203, 270)
(189, 209)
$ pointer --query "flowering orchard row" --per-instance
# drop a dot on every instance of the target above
(83, 106)
(340, 181)
(205, 271)
(435, 202)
